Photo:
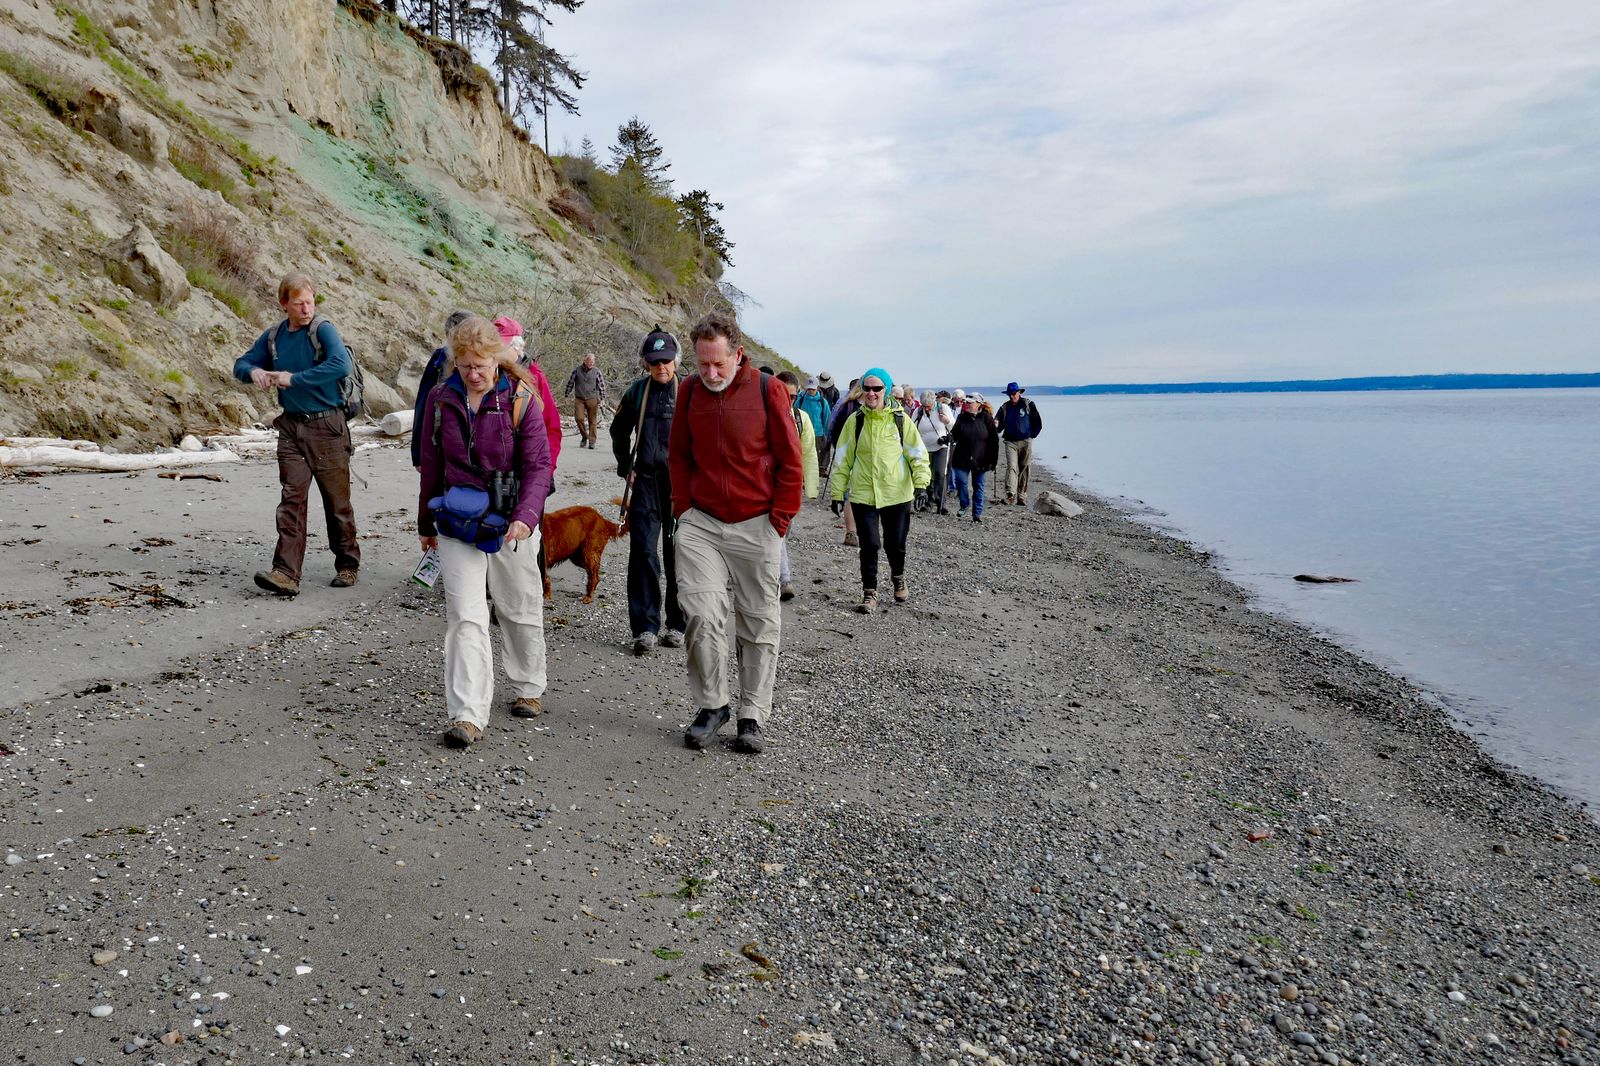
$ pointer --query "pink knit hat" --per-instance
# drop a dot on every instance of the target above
(508, 327)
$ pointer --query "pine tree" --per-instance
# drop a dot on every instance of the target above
(696, 212)
(636, 150)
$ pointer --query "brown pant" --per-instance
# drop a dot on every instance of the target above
(320, 450)
(589, 408)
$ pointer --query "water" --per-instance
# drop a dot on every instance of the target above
(1471, 519)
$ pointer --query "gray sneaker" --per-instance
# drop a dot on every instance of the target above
(644, 644)
(672, 639)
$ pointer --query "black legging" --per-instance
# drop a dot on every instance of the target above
(884, 527)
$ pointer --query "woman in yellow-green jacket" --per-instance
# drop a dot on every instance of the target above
(883, 465)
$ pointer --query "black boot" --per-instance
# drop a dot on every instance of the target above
(705, 726)
(750, 740)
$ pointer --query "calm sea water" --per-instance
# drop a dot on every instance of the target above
(1471, 520)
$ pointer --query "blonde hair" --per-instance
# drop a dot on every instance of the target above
(476, 335)
(294, 282)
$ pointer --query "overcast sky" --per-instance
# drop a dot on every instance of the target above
(1130, 190)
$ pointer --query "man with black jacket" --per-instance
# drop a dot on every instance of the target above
(1019, 424)
(639, 435)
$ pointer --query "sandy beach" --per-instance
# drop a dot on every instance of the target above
(1076, 803)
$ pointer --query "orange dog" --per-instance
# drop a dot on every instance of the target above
(580, 534)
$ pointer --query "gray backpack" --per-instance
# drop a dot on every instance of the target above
(352, 387)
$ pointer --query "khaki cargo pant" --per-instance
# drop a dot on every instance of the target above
(1019, 457)
(586, 412)
(730, 570)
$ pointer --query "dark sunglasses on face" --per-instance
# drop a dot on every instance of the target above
(872, 388)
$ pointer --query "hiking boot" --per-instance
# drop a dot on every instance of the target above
(705, 726)
(943, 510)
(750, 740)
(850, 540)
(901, 593)
(672, 639)
(869, 601)
(526, 707)
(591, 445)
(1010, 499)
(644, 644)
(278, 583)
(786, 592)
(1022, 501)
(961, 513)
(344, 580)
(977, 518)
(462, 735)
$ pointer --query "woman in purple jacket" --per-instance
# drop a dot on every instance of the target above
(481, 424)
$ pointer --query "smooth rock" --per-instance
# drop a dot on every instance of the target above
(100, 1010)
(103, 958)
(13, 859)
(1053, 503)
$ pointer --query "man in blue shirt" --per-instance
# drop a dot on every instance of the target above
(313, 438)
(1019, 425)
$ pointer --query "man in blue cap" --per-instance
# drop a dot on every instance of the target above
(1019, 424)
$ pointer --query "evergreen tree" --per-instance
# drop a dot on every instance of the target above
(697, 210)
(636, 151)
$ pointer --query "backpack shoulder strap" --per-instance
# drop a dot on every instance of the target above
(861, 420)
(519, 404)
(317, 354)
(272, 342)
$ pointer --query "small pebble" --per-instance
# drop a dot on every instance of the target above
(100, 1010)
(103, 958)
(13, 859)
(1458, 997)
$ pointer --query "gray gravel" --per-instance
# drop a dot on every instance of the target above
(1076, 803)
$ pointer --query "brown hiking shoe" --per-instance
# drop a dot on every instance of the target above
(526, 707)
(462, 734)
(850, 540)
(869, 601)
(278, 583)
(901, 593)
(786, 593)
(344, 580)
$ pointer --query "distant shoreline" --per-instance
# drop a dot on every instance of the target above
(1405, 383)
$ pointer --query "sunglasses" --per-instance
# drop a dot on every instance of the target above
(872, 388)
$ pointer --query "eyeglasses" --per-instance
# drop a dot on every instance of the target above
(872, 388)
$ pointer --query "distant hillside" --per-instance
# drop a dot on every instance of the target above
(1370, 384)
(162, 164)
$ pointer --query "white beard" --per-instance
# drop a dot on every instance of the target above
(719, 386)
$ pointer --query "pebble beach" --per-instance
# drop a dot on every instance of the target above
(1077, 802)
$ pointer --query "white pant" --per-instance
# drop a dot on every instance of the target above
(730, 569)
(513, 578)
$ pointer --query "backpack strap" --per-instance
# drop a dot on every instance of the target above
(274, 332)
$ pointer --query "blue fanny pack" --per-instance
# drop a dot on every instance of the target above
(462, 513)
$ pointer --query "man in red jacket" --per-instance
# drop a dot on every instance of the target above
(734, 462)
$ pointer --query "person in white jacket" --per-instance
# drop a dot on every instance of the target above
(934, 421)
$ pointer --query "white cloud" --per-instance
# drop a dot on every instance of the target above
(871, 152)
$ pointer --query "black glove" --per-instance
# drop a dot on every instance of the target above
(921, 500)
(838, 507)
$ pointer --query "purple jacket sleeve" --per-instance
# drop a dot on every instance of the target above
(535, 468)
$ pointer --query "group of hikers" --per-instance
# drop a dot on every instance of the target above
(715, 467)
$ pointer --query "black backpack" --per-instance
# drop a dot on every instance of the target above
(352, 387)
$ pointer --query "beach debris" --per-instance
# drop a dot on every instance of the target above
(103, 958)
(821, 1040)
(183, 475)
(396, 423)
(74, 459)
(1054, 503)
(1324, 579)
